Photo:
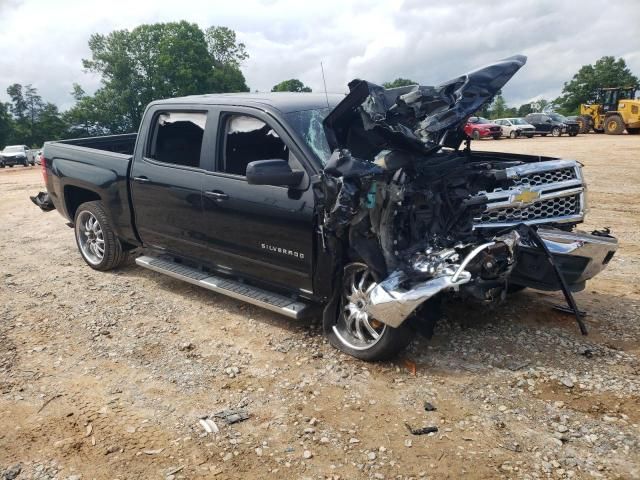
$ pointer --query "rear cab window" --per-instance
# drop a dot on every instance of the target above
(176, 138)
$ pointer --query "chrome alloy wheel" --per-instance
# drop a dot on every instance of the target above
(355, 328)
(90, 237)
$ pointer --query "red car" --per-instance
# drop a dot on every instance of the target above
(478, 127)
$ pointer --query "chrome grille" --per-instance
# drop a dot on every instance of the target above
(544, 178)
(556, 207)
(542, 192)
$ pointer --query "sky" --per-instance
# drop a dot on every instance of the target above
(43, 42)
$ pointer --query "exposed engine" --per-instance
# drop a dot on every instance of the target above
(427, 217)
(414, 227)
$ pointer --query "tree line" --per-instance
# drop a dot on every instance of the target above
(164, 60)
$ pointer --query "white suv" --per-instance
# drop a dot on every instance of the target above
(515, 127)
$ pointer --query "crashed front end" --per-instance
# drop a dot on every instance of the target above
(428, 218)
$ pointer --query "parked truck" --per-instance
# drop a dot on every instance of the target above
(368, 209)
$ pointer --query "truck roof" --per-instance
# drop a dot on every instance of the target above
(286, 102)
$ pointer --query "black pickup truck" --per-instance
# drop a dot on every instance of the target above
(370, 208)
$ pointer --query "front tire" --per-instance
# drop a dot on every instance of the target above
(614, 125)
(98, 244)
(633, 131)
(354, 331)
(584, 123)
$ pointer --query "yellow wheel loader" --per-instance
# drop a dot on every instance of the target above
(613, 111)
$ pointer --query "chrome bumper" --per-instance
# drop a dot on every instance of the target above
(579, 255)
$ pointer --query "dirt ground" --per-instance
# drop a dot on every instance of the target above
(106, 375)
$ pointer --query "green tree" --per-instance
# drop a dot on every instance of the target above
(606, 72)
(18, 103)
(51, 125)
(34, 120)
(291, 85)
(524, 110)
(227, 55)
(399, 82)
(224, 48)
(6, 124)
(26, 108)
(498, 108)
(152, 62)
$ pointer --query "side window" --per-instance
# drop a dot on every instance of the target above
(177, 138)
(246, 139)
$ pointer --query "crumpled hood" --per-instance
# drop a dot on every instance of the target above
(417, 119)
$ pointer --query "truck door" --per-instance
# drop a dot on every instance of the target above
(166, 179)
(258, 231)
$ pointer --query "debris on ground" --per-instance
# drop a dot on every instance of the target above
(422, 430)
(429, 407)
(209, 425)
(230, 416)
(12, 472)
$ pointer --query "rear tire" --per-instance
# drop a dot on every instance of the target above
(613, 125)
(98, 244)
(353, 331)
(556, 132)
(513, 134)
(497, 137)
(475, 135)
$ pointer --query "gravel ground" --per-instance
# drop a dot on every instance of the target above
(112, 375)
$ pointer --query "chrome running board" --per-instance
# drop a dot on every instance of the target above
(232, 288)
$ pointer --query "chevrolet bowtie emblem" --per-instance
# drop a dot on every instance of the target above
(526, 196)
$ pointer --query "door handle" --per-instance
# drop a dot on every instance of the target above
(216, 195)
(141, 179)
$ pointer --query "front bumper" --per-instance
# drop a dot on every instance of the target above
(580, 256)
(14, 160)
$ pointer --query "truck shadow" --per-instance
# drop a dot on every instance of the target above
(523, 332)
(526, 332)
(232, 306)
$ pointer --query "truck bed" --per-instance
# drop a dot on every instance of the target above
(111, 143)
(97, 168)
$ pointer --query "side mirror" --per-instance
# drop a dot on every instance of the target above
(548, 120)
(273, 172)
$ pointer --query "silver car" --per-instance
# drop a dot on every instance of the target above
(515, 127)
(16, 155)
